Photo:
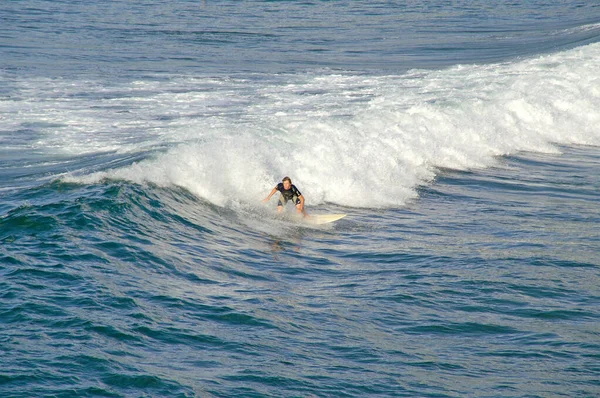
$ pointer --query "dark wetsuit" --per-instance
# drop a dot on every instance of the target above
(291, 194)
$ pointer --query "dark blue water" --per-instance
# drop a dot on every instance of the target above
(136, 144)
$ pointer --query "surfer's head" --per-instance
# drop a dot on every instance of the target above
(287, 182)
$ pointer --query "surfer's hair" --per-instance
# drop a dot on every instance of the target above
(286, 179)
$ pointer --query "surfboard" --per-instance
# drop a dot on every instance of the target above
(319, 219)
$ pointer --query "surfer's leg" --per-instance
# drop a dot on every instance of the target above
(280, 203)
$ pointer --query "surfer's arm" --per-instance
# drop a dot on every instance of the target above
(270, 195)
(301, 198)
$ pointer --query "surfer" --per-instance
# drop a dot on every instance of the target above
(288, 191)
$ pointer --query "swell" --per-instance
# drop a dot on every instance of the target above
(89, 274)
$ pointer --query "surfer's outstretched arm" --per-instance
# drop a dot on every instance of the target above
(270, 195)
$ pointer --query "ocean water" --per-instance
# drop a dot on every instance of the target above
(137, 140)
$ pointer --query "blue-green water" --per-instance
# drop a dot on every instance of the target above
(136, 144)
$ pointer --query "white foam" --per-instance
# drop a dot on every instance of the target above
(347, 139)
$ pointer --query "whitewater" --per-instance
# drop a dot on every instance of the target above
(361, 141)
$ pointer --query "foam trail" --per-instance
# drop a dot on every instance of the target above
(370, 141)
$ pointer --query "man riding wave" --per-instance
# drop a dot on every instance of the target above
(288, 192)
